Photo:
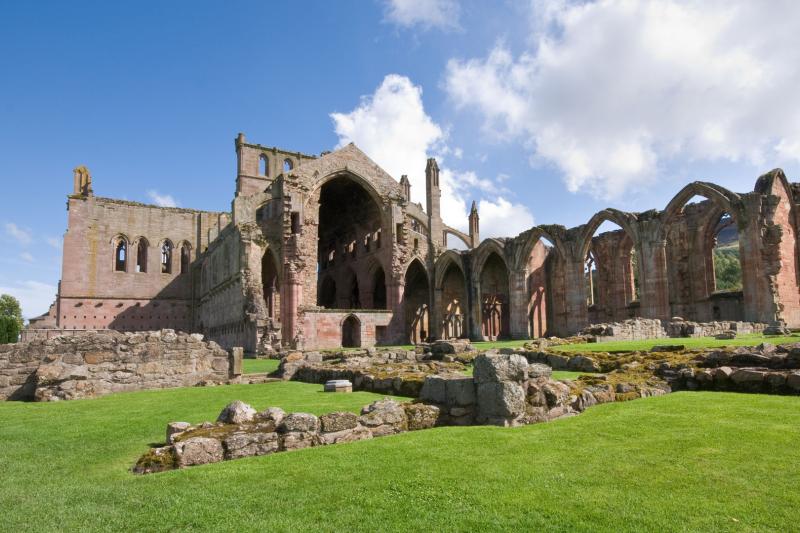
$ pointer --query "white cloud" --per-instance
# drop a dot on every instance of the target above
(392, 127)
(611, 91)
(21, 235)
(34, 297)
(26, 256)
(502, 218)
(54, 242)
(442, 14)
(161, 200)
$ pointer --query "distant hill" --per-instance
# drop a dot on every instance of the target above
(728, 237)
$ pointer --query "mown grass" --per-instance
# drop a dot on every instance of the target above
(751, 339)
(259, 366)
(684, 462)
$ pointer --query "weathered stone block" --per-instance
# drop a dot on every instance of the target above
(338, 421)
(421, 416)
(250, 444)
(500, 368)
(299, 422)
(198, 451)
(237, 412)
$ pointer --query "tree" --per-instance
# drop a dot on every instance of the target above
(10, 319)
(9, 329)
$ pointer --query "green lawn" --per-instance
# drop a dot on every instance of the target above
(684, 462)
(566, 374)
(258, 366)
(752, 339)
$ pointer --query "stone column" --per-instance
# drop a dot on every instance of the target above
(575, 293)
(653, 281)
(394, 301)
(518, 292)
(759, 300)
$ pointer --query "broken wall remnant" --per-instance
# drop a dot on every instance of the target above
(95, 364)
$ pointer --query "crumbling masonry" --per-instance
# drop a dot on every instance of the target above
(329, 251)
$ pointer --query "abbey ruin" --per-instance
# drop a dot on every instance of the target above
(329, 251)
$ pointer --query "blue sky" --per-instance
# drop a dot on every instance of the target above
(543, 112)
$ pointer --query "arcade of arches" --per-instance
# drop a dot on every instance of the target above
(324, 250)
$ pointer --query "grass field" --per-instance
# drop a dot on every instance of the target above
(258, 366)
(687, 461)
(752, 339)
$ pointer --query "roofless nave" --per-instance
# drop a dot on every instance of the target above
(319, 252)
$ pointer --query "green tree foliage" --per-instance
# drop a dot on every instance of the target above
(11, 321)
(9, 329)
(727, 268)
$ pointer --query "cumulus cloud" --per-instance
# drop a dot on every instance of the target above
(393, 128)
(21, 235)
(161, 200)
(441, 14)
(34, 297)
(611, 91)
(502, 218)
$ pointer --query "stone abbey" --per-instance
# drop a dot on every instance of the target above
(327, 251)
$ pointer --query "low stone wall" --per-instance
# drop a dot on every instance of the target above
(651, 328)
(94, 364)
(505, 390)
(400, 372)
(763, 369)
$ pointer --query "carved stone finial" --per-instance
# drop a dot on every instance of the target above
(82, 181)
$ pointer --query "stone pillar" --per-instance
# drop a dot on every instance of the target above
(436, 317)
(653, 281)
(518, 292)
(575, 293)
(758, 297)
(291, 300)
(394, 301)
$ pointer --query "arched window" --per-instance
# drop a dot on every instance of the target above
(287, 165)
(166, 257)
(185, 257)
(263, 166)
(120, 255)
(141, 256)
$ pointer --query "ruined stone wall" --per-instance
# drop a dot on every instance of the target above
(323, 328)
(93, 295)
(94, 364)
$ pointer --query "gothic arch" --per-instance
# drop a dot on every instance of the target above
(443, 262)
(621, 218)
(358, 179)
(721, 197)
(484, 250)
(531, 237)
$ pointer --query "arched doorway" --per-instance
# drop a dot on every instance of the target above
(704, 269)
(415, 303)
(536, 286)
(453, 302)
(611, 274)
(270, 285)
(351, 332)
(348, 218)
(494, 298)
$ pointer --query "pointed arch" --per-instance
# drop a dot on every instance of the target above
(120, 246)
(530, 238)
(351, 331)
(141, 247)
(624, 220)
(185, 248)
(720, 196)
(443, 262)
(166, 249)
(484, 250)
(494, 286)
(270, 283)
(416, 296)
